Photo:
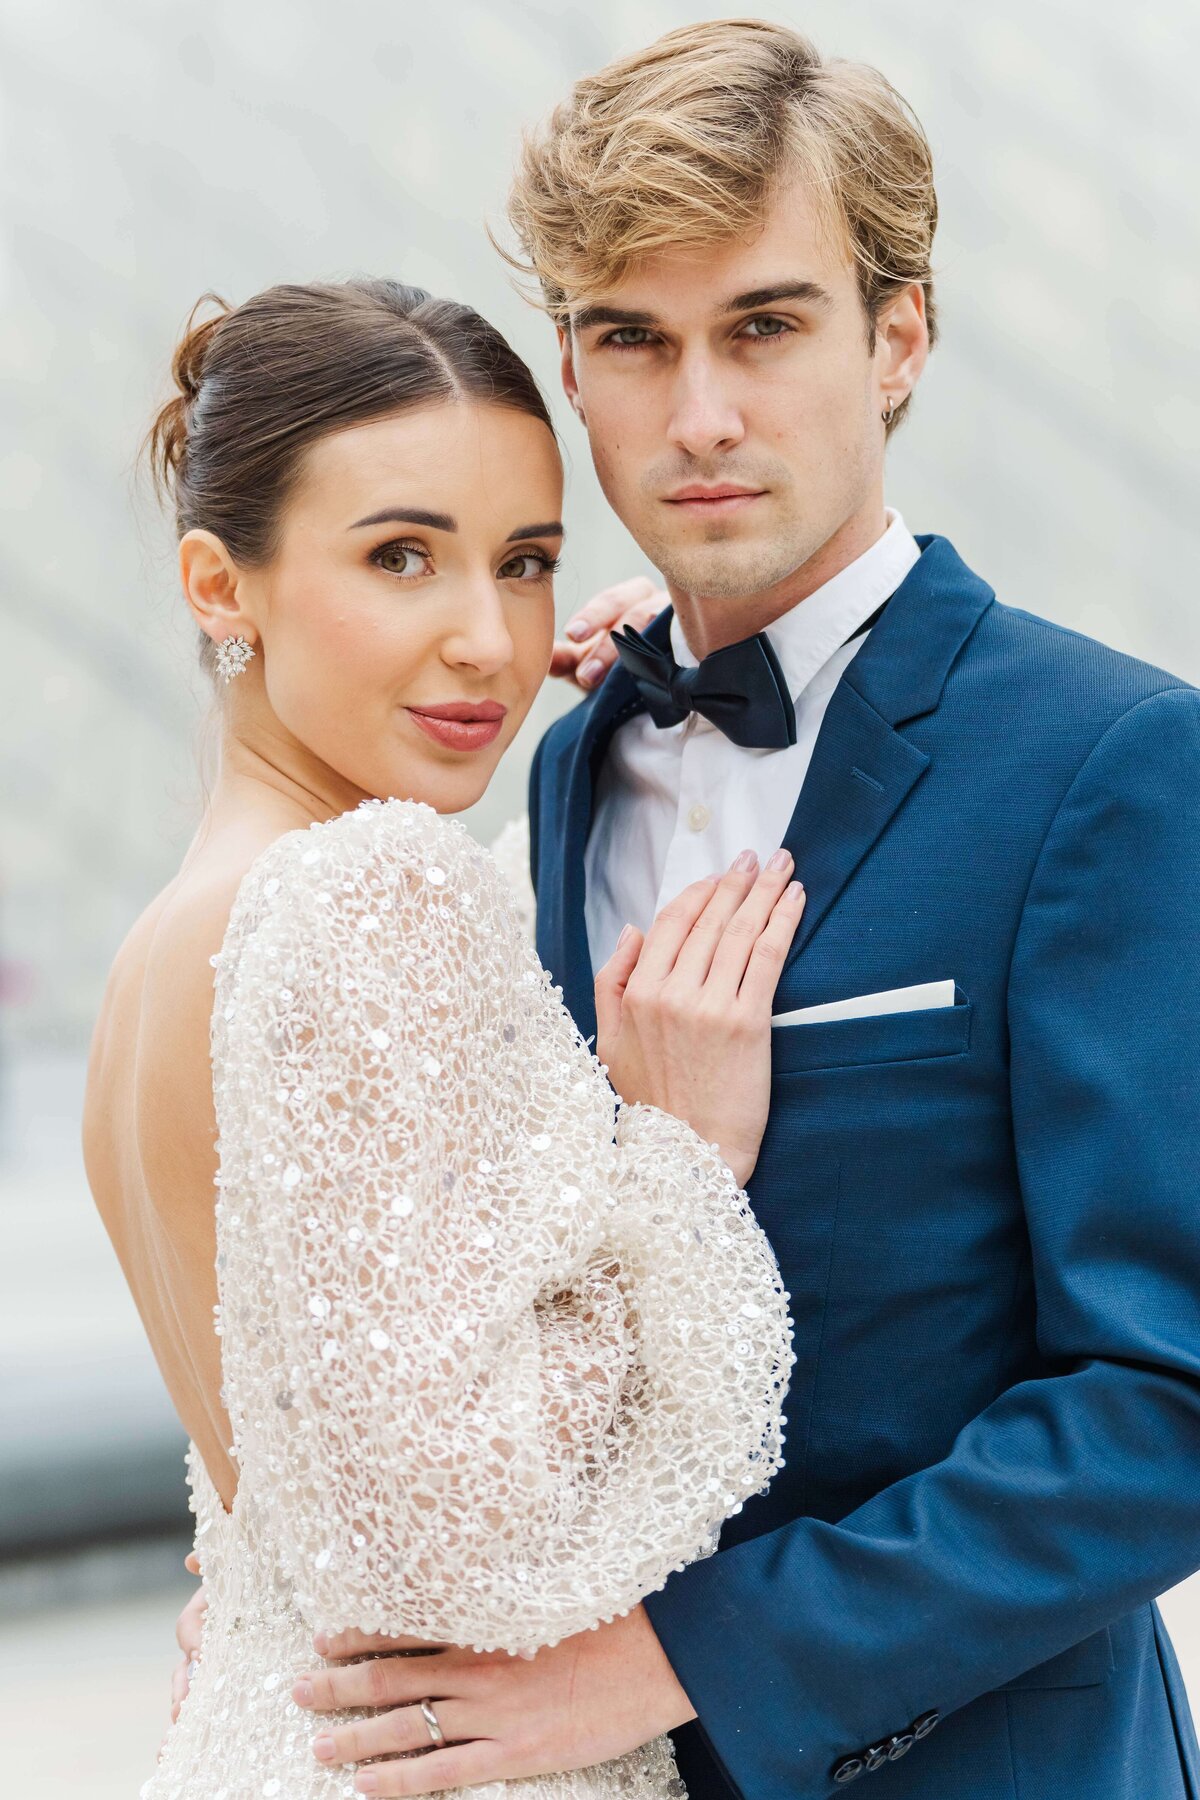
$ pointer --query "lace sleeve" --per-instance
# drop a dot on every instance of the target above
(496, 1363)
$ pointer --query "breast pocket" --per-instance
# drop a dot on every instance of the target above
(886, 1038)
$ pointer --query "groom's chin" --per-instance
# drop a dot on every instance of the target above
(722, 571)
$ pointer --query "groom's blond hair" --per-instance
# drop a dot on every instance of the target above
(683, 144)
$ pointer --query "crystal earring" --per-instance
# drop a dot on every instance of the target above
(233, 654)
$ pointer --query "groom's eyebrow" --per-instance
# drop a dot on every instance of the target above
(810, 292)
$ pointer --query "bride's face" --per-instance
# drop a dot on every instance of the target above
(407, 618)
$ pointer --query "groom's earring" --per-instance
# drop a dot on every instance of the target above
(233, 653)
(891, 407)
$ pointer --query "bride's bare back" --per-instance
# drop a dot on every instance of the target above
(149, 1131)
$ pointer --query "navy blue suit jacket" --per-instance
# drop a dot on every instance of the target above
(988, 1218)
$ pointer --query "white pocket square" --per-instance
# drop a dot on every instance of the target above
(922, 998)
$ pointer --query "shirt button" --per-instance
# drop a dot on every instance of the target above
(699, 818)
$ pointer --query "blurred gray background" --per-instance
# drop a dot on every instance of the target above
(152, 150)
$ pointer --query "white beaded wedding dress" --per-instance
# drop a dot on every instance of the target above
(498, 1355)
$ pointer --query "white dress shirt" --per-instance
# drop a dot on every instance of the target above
(679, 802)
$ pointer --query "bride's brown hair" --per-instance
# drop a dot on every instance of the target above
(257, 384)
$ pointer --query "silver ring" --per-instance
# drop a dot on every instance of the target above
(192, 1669)
(435, 1730)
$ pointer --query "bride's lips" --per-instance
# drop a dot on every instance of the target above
(461, 724)
(714, 502)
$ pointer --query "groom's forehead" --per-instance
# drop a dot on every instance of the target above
(798, 253)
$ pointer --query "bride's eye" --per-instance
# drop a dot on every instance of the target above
(528, 565)
(402, 559)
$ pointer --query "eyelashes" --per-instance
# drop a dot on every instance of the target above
(547, 565)
(646, 342)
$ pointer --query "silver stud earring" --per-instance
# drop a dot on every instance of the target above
(233, 654)
(891, 407)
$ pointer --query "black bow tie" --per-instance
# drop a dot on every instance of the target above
(741, 689)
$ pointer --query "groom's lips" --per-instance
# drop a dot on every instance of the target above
(461, 724)
(714, 502)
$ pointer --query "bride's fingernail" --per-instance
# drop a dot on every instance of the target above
(795, 891)
(780, 860)
(323, 1747)
(746, 861)
(578, 629)
(591, 671)
(625, 931)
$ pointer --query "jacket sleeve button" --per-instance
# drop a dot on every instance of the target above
(900, 1744)
(924, 1725)
(849, 1769)
(874, 1756)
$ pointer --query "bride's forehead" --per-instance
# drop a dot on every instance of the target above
(436, 457)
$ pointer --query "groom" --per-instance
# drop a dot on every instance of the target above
(984, 1195)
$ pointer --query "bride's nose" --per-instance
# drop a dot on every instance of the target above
(480, 638)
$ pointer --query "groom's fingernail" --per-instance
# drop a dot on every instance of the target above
(578, 629)
(591, 671)
(302, 1693)
(323, 1747)
(321, 1643)
(367, 1783)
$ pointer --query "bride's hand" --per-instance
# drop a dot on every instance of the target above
(684, 1015)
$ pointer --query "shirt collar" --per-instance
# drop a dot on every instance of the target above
(805, 638)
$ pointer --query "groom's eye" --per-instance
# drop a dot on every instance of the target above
(627, 337)
(769, 326)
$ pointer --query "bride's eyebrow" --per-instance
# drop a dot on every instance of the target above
(435, 521)
(407, 515)
(554, 529)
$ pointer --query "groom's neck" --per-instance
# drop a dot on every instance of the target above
(711, 621)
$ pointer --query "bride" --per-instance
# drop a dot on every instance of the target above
(466, 1347)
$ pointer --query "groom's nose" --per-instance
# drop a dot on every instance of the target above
(704, 415)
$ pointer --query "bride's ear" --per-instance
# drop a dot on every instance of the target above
(211, 580)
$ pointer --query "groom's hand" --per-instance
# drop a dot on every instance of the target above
(591, 1698)
(585, 653)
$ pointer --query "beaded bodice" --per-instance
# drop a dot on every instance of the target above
(498, 1355)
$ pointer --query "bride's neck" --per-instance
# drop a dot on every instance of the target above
(269, 775)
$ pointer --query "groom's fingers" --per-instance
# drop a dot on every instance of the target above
(398, 1732)
(357, 1643)
(376, 1681)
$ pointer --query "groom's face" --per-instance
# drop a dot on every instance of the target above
(748, 367)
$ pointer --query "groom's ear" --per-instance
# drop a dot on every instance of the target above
(566, 351)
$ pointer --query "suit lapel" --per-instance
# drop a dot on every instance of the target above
(863, 768)
(567, 805)
(860, 773)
